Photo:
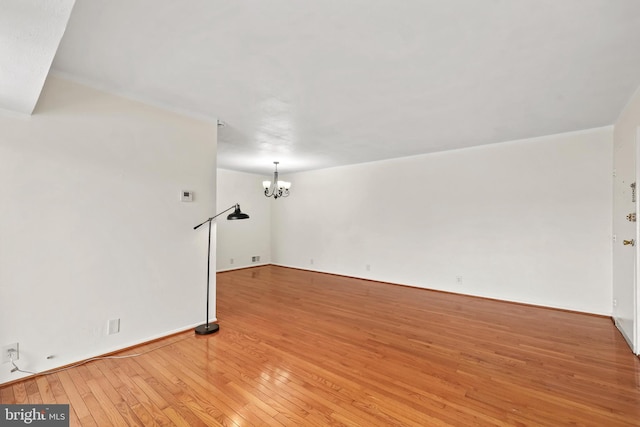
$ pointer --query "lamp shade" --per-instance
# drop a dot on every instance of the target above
(237, 214)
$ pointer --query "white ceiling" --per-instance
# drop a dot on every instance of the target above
(323, 83)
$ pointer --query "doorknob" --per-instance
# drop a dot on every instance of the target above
(629, 242)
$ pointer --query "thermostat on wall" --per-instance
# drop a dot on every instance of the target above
(186, 196)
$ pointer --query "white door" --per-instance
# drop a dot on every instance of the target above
(636, 282)
(625, 231)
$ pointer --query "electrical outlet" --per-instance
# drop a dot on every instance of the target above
(113, 327)
(459, 280)
(5, 352)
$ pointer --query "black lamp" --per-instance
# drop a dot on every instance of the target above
(209, 328)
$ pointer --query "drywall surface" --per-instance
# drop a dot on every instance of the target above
(526, 221)
(239, 242)
(92, 227)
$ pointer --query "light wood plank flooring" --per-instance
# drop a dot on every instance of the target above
(298, 348)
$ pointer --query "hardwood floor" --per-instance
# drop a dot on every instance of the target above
(298, 348)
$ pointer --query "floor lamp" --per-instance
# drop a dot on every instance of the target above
(209, 328)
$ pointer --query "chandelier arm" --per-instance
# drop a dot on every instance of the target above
(271, 191)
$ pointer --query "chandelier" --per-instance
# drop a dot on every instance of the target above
(276, 188)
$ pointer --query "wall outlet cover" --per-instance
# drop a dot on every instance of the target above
(5, 352)
(113, 327)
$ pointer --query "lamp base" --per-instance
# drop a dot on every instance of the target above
(207, 329)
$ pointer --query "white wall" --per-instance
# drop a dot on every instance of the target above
(91, 226)
(241, 240)
(624, 140)
(526, 221)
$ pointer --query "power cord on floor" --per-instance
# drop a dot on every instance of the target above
(17, 369)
